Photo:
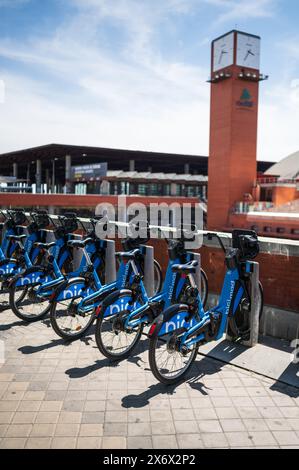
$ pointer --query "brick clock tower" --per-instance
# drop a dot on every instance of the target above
(234, 82)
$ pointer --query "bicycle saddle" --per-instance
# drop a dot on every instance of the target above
(79, 243)
(188, 268)
(16, 237)
(44, 246)
(128, 255)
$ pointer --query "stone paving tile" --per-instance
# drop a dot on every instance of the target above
(232, 425)
(54, 395)
(114, 442)
(255, 424)
(64, 443)
(139, 442)
(18, 430)
(286, 438)
(23, 417)
(91, 430)
(89, 443)
(205, 413)
(38, 443)
(189, 441)
(165, 442)
(51, 406)
(13, 443)
(139, 429)
(115, 429)
(214, 440)
(42, 430)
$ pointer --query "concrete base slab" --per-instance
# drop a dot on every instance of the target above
(272, 358)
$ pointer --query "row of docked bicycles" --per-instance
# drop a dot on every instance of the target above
(38, 278)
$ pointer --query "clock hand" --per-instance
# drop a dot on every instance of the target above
(245, 58)
(220, 58)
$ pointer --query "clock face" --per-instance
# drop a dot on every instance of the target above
(248, 51)
(223, 52)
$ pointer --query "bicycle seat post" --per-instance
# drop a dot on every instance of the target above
(192, 281)
(87, 257)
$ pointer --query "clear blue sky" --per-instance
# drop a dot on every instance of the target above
(132, 73)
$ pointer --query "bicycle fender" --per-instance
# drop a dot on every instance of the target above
(172, 319)
(8, 266)
(111, 298)
(30, 276)
(68, 289)
(101, 296)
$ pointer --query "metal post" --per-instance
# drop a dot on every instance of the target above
(254, 311)
(15, 170)
(149, 277)
(255, 304)
(38, 176)
(186, 168)
(110, 268)
(53, 175)
(197, 276)
(173, 189)
(48, 179)
(132, 165)
(68, 182)
(28, 174)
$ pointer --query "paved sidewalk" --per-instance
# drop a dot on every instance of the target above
(55, 395)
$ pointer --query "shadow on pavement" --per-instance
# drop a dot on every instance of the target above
(79, 372)
(8, 326)
(206, 366)
(52, 344)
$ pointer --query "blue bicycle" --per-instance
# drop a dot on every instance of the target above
(37, 282)
(8, 226)
(125, 313)
(74, 303)
(20, 248)
(178, 332)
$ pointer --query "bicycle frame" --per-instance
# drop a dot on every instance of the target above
(125, 275)
(78, 288)
(10, 266)
(195, 331)
(172, 288)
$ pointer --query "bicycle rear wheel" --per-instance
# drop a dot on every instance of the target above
(113, 340)
(67, 321)
(239, 323)
(27, 306)
(167, 363)
(204, 287)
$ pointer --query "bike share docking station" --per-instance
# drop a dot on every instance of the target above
(254, 308)
(251, 309)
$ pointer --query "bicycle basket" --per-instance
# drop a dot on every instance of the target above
(42, 220)
(70, 224)
(247, 243)
(19, 217)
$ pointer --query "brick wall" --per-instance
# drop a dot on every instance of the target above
(279, 274)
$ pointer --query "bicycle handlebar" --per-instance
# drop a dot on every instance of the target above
(211, 235)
